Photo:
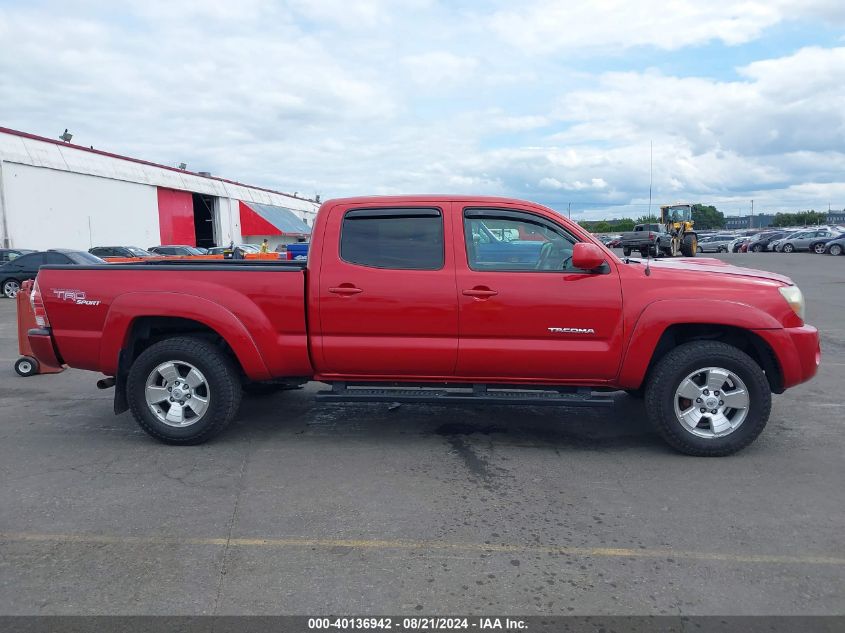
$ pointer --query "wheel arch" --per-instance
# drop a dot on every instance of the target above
(651, 341)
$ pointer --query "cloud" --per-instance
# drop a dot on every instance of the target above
(378, 96)
(439, 67)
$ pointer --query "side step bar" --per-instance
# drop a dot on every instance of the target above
(469, 394)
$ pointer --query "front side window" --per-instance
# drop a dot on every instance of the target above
(400, 239)
(516, 242)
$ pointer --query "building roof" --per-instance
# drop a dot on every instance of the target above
(30, 149)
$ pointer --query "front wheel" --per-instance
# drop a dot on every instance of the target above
(183, 390)
(699, 250)
(818, 249)
(11, 288)
(835, 249)
(707, 398)
(788, 248)
(689, 245)
(756, 248)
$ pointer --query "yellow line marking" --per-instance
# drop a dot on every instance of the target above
(606, 552)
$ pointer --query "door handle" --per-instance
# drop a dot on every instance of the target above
(481, 293)
(345, 290)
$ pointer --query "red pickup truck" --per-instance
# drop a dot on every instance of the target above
(440, 299)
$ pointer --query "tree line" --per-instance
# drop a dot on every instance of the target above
(705, 216)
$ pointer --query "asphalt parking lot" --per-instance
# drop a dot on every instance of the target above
(308, 509)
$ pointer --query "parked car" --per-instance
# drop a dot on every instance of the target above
(174, 249)
(835, 246)
(761, 241)
(8, 254)
(120, 251)
(376, 303)
(736, 245)
(15, 272)
(715, 244)
(801, 240)
(221, 250)
(819, 245)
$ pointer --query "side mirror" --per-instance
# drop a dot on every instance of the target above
(587, 256)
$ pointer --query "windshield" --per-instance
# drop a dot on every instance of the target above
(679, 213)
(138, 252)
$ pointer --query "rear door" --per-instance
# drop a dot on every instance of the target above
(541, 319)
(387, 294)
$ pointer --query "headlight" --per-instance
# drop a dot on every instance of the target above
(795, 298)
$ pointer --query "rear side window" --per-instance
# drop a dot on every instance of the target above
(58, 258)
(400, 239)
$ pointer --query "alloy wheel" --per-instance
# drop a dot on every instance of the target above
(177, 393)
(711, 402)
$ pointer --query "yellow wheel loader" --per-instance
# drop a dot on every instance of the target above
(680, 239)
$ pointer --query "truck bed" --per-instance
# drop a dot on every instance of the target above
(94, 310)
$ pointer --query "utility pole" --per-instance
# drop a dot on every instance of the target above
(569, 210)
(650, 173)
(751, 221)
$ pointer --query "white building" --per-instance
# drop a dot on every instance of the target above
(57, 195)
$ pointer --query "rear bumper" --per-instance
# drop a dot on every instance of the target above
(797, 350)
(41, 343)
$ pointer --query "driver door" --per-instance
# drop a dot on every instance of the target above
(524, 310)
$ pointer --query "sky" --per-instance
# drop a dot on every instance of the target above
(577, 105)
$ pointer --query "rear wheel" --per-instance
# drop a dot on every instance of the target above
(183, 390)
(11, 288)
(689, 245)
(818, 249)
(835, 249)
(708, 398)
(626, 251)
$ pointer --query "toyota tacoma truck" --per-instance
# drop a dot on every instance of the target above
(435, 299)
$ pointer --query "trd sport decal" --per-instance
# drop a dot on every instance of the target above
(76, 296)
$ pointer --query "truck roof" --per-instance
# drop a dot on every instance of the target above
(429, 198)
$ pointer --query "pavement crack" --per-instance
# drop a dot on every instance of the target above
(226, 547)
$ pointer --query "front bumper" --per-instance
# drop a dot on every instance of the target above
(797, 350)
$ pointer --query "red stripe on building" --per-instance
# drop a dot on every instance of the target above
(176, 217)
(254, 224)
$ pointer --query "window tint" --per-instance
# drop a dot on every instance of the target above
(33, 260)
(402, 239)
(516, 242)
(84, 259)
(56, 258)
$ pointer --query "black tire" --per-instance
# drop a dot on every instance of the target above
(723, 249)
(698, 249)
(626, 252)
(644, 252)
(835, 249)
(787, 248)
(224, 389)
(10, 287)
(689, 245)
(673, 368)
(818, 249)
(637, 394)
(26, 366)
(756, 248)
